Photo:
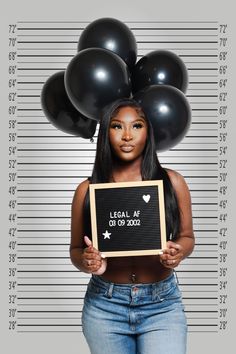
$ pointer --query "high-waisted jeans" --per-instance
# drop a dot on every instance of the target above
(134, 318)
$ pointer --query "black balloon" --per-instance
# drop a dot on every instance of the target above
(111, 34)
(60, 111)
(94, 78)
(159, 67)
(169, 112)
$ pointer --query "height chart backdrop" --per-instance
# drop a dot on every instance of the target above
(41, 292)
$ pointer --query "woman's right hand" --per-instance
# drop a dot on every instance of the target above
(93, 261)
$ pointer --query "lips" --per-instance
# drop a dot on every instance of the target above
(126, 148)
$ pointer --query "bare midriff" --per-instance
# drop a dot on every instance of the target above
(142, 269)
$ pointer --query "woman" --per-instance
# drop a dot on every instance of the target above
(132, 304)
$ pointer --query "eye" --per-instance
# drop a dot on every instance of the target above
(138, 125)
(115, 126)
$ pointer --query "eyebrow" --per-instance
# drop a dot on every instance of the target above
(136, 120)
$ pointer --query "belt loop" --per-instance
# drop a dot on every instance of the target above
(176, 277)
(110, 290)
(155, 293)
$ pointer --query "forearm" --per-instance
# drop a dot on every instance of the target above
(76, 256)
(187, 243)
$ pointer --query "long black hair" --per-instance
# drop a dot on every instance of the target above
(151, 168)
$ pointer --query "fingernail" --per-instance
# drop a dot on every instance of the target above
(103, 255)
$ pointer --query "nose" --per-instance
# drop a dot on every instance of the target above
(127, 135)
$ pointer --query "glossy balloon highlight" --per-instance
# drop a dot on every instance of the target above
(169, 112)
(160, 67)
(94, 78)
(110, 34)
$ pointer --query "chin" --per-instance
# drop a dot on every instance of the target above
(129, 158)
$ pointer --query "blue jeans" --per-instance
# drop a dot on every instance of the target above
(134, 318)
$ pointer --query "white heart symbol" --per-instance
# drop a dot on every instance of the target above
(146, 198)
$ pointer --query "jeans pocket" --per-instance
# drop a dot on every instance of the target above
(170, 293)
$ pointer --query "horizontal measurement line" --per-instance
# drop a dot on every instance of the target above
(45, 230)
(197, 271)
(203, 82)
(47, 325)
(191, 257)
(138, 42)
(188, 150)
(152, 48)
(198, 285)
(46, 136)
(132, 28)
(72, 284)
(199, 311)
(80, 170)
(49, 271)
(45, 42)
(48, 331)
(48, 123)
(77, 271)
(59, 137)
(49, 284)
(43, 258)
(50, 298)
(71, 56)
(30, 82)
(205, 230)
(200, 298)
(43, 217)
(81, 176)
(64, 291)
(64, 150)
(45, 264)
(50, 29)
(196, 96)
(48, 244)
(205, 109)
(68, 318)
(200, 244)
(44, 55)
(203, 325)
(51, 311)
(89, 163)
(59, 304)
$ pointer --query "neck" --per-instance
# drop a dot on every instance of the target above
(127, 171)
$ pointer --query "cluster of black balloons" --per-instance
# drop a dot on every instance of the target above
(105, 69)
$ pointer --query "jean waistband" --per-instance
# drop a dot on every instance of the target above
(144, 288)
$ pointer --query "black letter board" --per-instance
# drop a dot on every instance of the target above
(128, 218)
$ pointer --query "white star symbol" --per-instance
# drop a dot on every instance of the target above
(107, 234)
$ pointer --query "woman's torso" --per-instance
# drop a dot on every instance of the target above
(142, 269)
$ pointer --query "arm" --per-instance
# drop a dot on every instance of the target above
(89, 259)
(184, 244)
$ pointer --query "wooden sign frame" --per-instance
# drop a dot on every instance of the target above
(160, 216)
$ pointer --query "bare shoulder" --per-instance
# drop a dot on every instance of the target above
(177, 180)
(81, 190)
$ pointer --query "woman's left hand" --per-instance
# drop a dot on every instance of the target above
(172, 255)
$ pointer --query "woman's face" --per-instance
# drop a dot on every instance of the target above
(128, 134)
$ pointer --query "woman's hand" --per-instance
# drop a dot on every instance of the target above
(92, 259)
(172, 255)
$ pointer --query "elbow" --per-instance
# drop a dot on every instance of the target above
(191, 243)
(75, 258)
